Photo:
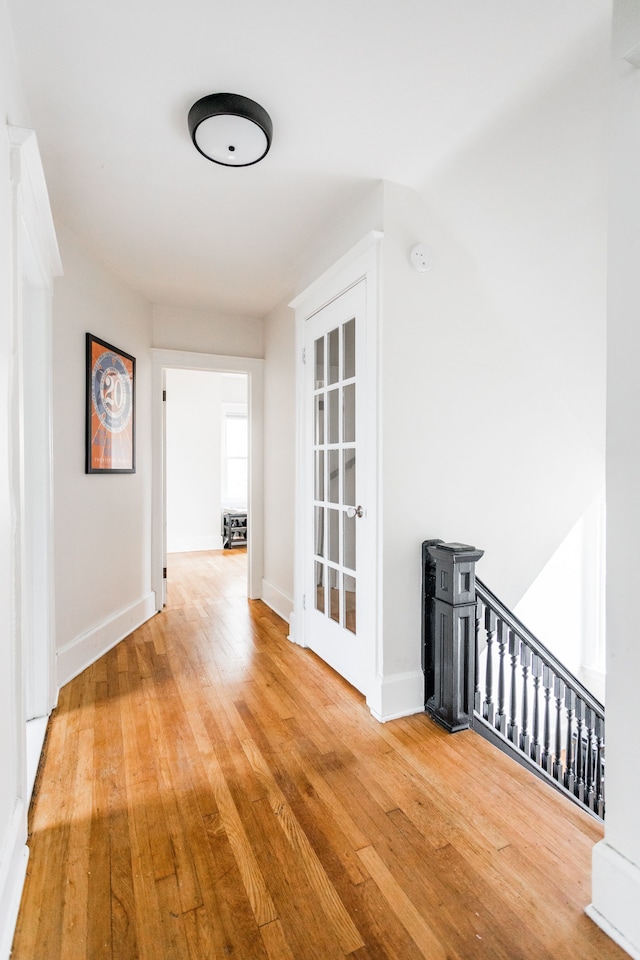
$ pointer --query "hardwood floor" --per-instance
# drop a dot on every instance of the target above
(210, 790)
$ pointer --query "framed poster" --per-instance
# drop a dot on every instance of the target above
(111, 384)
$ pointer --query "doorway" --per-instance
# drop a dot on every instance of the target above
(206, 416)
(163, 362)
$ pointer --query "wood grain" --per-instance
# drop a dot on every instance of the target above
(210, 790)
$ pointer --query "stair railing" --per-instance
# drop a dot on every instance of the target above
(485, 670)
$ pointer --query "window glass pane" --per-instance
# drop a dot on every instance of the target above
(349, 413)
(349, 602)
(236, 436)
(334, 356)
(319, 531)
(334, 594)
(319, 362)
(333, 397)
(334, 535)
(319, 420)
(319, 479)
(334, 476)
(320, 599)
(349, 347)
(349, 542)
(236, 479)
(349, 476)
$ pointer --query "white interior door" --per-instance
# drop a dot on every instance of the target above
(338, 552)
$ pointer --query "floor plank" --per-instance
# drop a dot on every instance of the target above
(210, 790)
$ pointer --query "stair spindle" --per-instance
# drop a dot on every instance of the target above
(599, 732)
(477, 696)
(512, 729)
(501, 718)
(536, 673)
(590, 772)
(569, 762)
(490, 627)
(579, 715)
(558, 692)
(525, 662)
(547, 759)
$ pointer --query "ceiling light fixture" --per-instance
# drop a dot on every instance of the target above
(230, 129)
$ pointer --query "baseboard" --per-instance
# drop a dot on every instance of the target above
(615, 897)
(279, 602)
(14, 855)
(194, 544)
(398, 695)
(76, 656)
(36, 733)
(293, 636)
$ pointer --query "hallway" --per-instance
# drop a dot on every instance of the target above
(210, 790)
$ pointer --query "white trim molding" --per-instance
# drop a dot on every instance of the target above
(14, 855)
(80, 653)
(162, 360)
(27, 171)
(615, 897)
(398, 695)
(35, 263)
(278, 601)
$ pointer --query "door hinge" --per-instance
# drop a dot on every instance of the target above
(164, 394)
(304, 602)
(164, 573)
(304, 354)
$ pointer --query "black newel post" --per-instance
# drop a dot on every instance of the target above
(449, 624)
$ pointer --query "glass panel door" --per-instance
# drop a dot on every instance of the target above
(334, 471)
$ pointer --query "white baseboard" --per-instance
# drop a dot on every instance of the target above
(193, 544)
(76, 656)
(36, 733)
(14, 855)
(292, 629)
(279, 602)
(398, 695)
(615, 897)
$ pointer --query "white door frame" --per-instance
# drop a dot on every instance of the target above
(162, 360)
(36, 261)
(362, 262)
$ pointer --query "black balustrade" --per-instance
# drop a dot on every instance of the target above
(451, 632)
(474, 647)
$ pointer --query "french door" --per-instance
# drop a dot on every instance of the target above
(338, 558)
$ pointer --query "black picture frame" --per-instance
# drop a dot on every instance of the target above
(110, 431)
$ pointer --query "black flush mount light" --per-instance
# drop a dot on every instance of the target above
(230, 129)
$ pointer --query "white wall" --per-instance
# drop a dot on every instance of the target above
(524, 208)
(496, 437)
(194, 413)
(13, 797)
(279, 459)
(365, 215)
(565, 604)
(205, 331)
(102, 522)
(616, 860)
(492, 369)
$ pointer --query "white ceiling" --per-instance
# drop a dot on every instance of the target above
(358, 91)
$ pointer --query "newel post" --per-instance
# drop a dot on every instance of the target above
(449, 627)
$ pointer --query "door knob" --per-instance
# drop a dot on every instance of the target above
(354, 512)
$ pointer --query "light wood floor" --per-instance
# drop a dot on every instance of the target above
(210, 790)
